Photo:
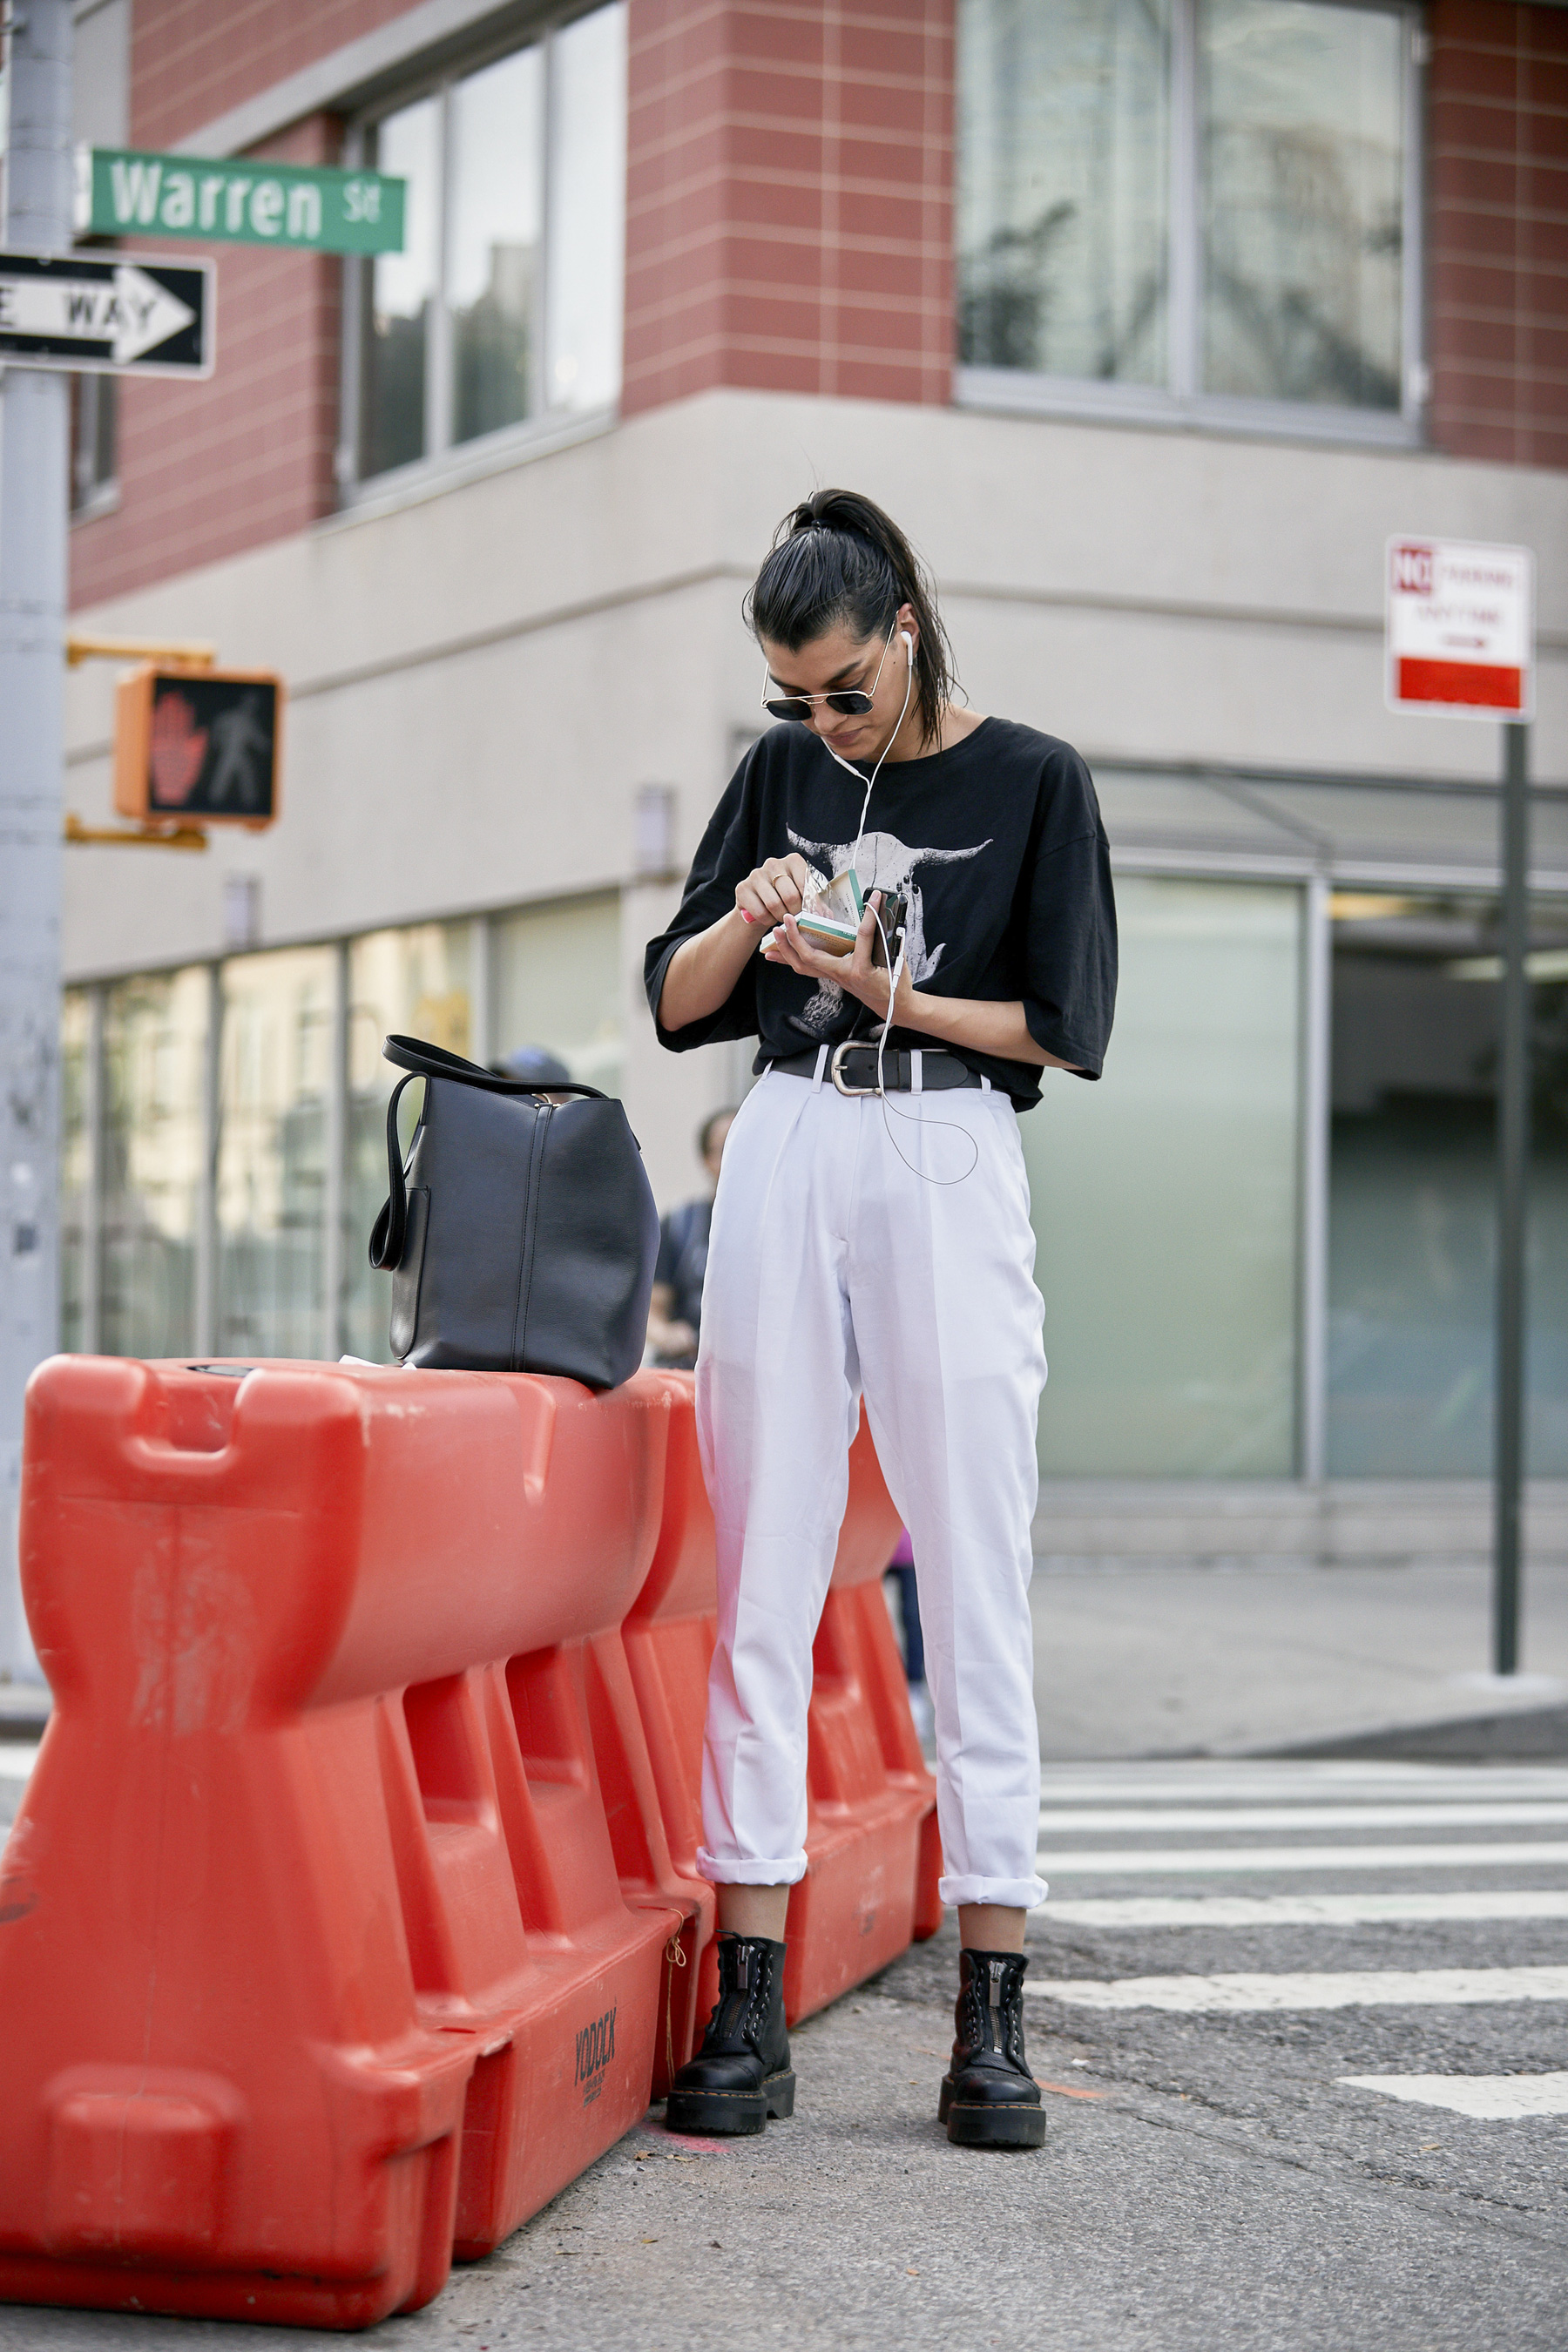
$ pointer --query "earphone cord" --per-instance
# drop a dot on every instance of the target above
(895, 969)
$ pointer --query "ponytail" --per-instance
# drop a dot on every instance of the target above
(838, 561)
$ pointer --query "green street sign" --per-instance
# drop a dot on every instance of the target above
(121, 191)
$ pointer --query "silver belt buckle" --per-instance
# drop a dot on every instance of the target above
(835, 1067)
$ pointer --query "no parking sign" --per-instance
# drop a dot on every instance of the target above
(1461, 628)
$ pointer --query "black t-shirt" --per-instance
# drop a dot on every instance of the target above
(998, 846)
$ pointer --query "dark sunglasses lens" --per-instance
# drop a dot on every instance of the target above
(854, 705)
(788, 705)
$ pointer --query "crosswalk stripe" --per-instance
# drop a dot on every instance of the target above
(1106, 1820)
(1204, 1784)
(1491, 2098)
(17, 1758)
(1303, 1910)
(1315, 1989)
(1153, 1862)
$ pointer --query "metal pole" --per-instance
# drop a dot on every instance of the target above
(34, 457)
(1317, 1016)
(1513, 1163)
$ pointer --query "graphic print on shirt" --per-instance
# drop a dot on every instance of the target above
(886, 864)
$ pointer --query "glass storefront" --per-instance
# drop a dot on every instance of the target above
(1413, 1190)
(1168, 1201)
(154, 1128)
(200, 1213)
(1165, 1198)
(275, 1067)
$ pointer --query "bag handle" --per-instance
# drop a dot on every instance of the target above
(422, 1061)
(411, 1054)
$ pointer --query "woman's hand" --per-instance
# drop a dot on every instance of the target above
(775, 889)
(855, 972)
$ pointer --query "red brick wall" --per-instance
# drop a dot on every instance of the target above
(789, 198)
(207, 469)
(1498, 266)
(193, 59)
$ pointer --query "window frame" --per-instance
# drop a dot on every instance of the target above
(1181, 402)
(545, 428)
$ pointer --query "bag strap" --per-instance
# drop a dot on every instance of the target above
(411, 1054)
(423, 1061)
(387, 1234)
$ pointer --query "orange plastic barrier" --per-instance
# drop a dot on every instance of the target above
(873, 1853)
(316, 1962)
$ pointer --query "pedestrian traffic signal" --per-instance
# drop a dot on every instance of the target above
(198, 744)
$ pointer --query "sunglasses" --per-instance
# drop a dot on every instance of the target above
(851, 702)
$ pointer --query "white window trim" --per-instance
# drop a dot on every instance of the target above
(446, 462)
(1180, 405)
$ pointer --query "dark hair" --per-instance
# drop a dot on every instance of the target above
(713, 1120)
(838, 561)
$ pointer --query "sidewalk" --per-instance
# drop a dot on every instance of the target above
(1161, 1660)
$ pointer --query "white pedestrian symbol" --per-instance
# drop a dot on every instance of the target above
(241, 744)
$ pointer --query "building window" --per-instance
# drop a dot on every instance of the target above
(94, 403)
(506, 303)
(1199, 202)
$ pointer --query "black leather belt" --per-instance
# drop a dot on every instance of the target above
(852, 1066)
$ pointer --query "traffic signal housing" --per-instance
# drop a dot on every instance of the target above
(200, 745)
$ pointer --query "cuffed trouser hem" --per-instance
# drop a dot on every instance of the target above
(750, 1873)
(1013, 1894)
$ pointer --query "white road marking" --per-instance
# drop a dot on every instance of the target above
(1106, 1821)
(1314, 1989)
(17, 1758)
(1216, 1784)
(1303, 1910)
(1153, 1862)
(1491, 2098)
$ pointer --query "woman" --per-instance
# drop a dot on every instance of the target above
(871, 1236)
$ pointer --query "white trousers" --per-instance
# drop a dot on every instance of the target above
(833, 1268)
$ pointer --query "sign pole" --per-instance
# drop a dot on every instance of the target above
(34, 459)
(1513, 1168)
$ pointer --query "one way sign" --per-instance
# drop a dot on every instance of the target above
(122, 314)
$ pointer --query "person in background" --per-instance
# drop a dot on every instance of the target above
(533, 1066)
(675, 1309)
(901, 1568)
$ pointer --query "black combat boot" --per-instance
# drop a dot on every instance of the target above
(741, 2074)
(989, 2098)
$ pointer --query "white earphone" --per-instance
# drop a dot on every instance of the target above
(910, 643)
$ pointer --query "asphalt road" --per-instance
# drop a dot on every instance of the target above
(1211, 2178)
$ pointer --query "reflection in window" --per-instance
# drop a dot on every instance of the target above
(492, 252)
(416, 982)
(401, 290)
(155, 1050)
(1204, 198)
(587, 210)
(275, 1071)
(506, 305)
(1063, 188)
(1164, 1201)
(1413, 1190)
(1304, 201)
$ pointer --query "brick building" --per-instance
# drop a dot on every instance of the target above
(1152, 323)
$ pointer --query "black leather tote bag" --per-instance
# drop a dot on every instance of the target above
(522, 1235)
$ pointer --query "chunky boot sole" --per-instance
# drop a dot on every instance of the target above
(736, 2114)
(985, 2124)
